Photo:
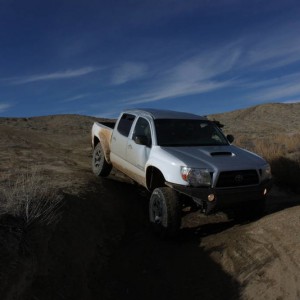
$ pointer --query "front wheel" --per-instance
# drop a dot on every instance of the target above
(165, 211)
(99, 164)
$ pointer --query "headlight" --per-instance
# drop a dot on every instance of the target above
(266, 172)
(196, 177)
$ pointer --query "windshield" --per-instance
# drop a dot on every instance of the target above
(178, 132)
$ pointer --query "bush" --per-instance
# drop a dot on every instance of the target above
(31, 198)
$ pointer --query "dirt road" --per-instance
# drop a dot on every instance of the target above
(213, 258)
(103, 247)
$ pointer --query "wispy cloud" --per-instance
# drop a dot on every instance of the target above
(279, 92)
(195, 75)
(4, 107)
(128, 71)
(208, 64)
(271, 81)
(177, 90)
(292, 101)
(275, 89)
(272, 48)
(240, 64)
(75, 98)
(109, 114)
(53, 76)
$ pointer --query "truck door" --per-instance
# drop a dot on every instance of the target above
(119, 138)
(138, 148)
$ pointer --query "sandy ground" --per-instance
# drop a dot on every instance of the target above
(103, 247)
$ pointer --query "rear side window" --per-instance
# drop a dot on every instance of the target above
(125, 124)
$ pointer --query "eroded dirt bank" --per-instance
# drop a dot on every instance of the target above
(103, 248)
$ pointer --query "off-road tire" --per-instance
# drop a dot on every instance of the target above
(99, 164)
(165, 212)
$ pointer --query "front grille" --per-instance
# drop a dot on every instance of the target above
(237, 178)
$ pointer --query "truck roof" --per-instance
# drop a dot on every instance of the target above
(165, 114)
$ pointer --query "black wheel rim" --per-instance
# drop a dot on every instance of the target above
(97, 159)
(157, 210)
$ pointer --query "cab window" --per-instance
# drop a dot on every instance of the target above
(125, 124)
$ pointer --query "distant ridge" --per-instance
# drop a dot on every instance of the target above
(257, 121)
(266, 119)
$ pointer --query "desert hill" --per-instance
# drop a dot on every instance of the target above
(272, 131)
(54, 144)
(261, 120)
(102, 246)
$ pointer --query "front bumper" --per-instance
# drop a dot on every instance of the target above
(224, 197)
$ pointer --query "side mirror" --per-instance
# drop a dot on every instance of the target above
(230, 138)
(141, 140)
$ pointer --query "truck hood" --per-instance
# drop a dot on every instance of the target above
(216, 157)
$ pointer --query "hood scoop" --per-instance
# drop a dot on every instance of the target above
(221, 153)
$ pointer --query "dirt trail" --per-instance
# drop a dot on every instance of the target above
(263, 256)
(213, 257)
(103, 247)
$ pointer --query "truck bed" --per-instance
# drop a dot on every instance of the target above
(102, 132)
(108, 124)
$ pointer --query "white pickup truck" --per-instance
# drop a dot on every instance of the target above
(181, 159)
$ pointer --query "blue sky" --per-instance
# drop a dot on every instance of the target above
(98, 57)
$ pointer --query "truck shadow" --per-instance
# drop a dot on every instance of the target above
(104, 248)
(279, 200)
(145, 267)
(286, 172)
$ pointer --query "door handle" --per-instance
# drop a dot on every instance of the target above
(114, 139)
(129, 147)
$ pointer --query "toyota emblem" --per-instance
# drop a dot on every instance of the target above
(238, 178)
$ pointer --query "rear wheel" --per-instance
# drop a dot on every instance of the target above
(99, 164)
(165, 211)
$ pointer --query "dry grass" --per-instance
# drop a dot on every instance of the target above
(32, 198)
(283, 154)
(29, 207)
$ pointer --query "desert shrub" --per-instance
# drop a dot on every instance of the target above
(283, 154)
(268, 149)
(278, 146)
(31, 198)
